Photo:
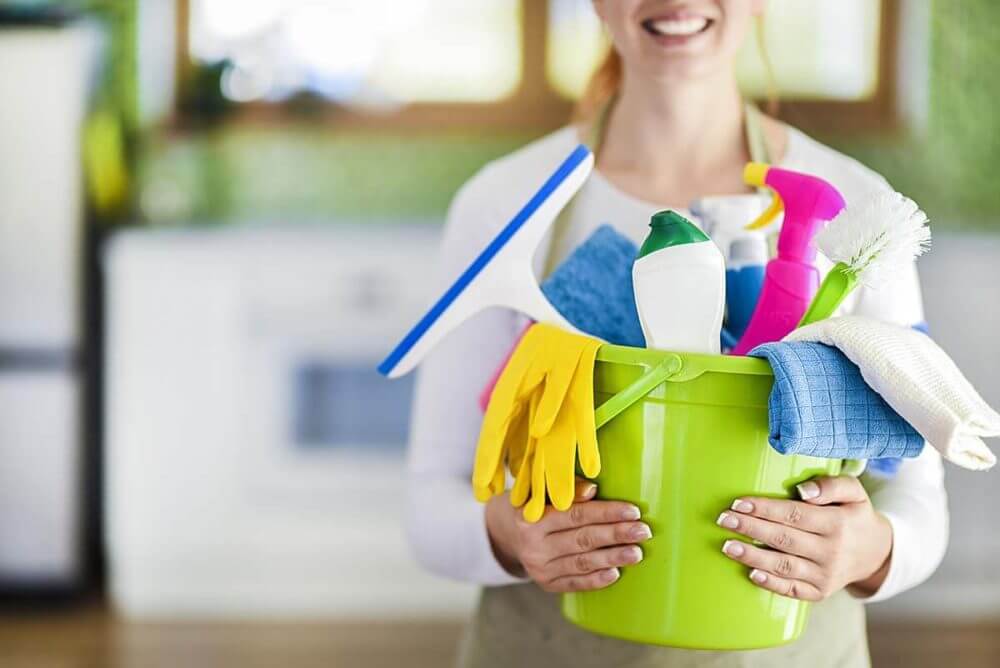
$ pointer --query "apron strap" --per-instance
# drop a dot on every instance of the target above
(756, 141)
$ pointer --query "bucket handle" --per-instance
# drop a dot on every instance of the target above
(640, 387)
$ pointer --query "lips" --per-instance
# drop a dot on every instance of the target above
(677, 27)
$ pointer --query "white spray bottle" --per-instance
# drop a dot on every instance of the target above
(679, 279)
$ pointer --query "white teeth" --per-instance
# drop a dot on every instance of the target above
(680, 27)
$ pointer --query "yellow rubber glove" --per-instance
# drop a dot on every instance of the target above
(504, 408)
(562, 354)
(582, 398)
(521, 490)
(535, 508)
(519, 442)
(542, 351)
(558, 451)
(572, 429)
(541, 414)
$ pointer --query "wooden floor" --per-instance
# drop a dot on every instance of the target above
(89, 637)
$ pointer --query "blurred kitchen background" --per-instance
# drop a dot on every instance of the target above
(217, 215)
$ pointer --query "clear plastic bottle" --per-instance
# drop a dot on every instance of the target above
(744, 279)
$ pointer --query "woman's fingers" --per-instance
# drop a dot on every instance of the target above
(779, 536)
(591, 512)
(591, 581)
(595, 536)
(826, 490)
(585, 490)
(775, 563)
(786, 586)
(796, 514)
(595, 560)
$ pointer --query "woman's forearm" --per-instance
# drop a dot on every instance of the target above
(444, 523)
(500, 527)
(916, 506)
(446, 529)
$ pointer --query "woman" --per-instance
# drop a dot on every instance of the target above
(668, 126)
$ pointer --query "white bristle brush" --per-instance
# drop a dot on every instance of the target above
(869, 243)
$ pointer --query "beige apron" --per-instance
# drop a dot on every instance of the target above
(521, 626)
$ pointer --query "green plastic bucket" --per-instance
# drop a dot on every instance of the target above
(686, 434)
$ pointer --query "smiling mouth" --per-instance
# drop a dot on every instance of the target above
(677, 28)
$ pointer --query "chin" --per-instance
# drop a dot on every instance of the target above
(677, 68)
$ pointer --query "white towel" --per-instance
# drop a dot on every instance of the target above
(919, 381)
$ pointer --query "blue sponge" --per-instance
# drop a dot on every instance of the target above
(592, 288)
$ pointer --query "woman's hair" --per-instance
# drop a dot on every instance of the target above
(606, 81)
(603, 86)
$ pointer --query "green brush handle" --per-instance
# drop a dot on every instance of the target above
(839, 283)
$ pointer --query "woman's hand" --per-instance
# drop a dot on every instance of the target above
(831, 539)
(576, 550)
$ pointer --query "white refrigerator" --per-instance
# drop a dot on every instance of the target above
(44, 79)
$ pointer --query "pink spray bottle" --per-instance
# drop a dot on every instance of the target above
(791, 280)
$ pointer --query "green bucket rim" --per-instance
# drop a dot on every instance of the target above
(694, 364)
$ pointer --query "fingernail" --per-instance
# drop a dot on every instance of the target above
(728, 521)
(742, 506)
(631, 513)
(760, 577)
(733, 548)
(808, 490)
(633, 554)
(588, 490)
(640, 532)
(610, 575)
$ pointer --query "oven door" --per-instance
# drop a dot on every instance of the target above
(318, 421)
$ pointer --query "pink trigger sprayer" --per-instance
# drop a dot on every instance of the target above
(790, 280)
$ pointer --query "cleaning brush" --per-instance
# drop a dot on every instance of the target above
(869, 244)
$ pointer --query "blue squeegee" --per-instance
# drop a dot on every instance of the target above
(501, 275)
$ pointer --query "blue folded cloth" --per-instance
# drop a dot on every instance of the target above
(821, 406)
(592, 288)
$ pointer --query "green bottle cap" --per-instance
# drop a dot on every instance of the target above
(669, 228)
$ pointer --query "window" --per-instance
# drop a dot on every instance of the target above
(818, 50)
(575, 45)
(512, 63)
(371, 53)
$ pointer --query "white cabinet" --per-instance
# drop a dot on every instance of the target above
(254, 456)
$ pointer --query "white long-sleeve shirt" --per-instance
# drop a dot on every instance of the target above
(445, 524)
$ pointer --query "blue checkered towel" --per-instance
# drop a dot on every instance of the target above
(821, 406)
